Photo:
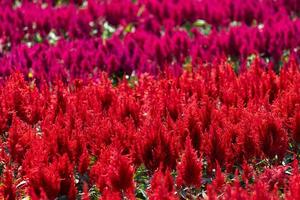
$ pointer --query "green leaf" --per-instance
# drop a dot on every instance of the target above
(94, 193)
(129, 28)
(52, 38)
(204, 27)
(200, 23)
(38, 38)
(142, 180)
(108, 30)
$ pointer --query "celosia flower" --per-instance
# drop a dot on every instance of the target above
(162, 186)
(296, 127)
(219, 180)
(8, 188)
(190, 167)
(19, 139)
(121, 174)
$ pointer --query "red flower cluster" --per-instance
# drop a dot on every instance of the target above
(208, 133)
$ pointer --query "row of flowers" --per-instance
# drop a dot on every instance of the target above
(21, 18)
(204, 134)
(78, 39)
(140, 51)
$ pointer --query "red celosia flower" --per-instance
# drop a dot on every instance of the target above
(19, 139)
(98, 175)
(292, 191)
(219, 180)
(215, 147)
(247, 172)
(235, 192)
(211, 194)
(84, 162)
(120, 174)
(157, 146)
(260, 191)
(192, 125)
(273, 138)
(40, 196)
(24, 99)
(275, 176)
(8, 189)
(295, 165)
(44, 181)
(296, 127)
(67, 182)
(109, 194)
(85, 195)
(52, 179)
(189, 169)
(249, 137)
(162, 186)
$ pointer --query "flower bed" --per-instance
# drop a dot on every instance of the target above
(149, 99)
(209, 133)
(50, 39)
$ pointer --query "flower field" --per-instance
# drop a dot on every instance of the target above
(149, 99)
